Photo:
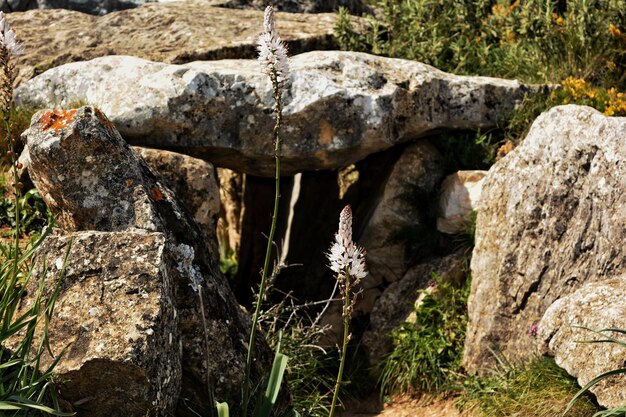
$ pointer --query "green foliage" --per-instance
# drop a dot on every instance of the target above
(228, 262)
(428, 349)
(24, 387)
(532, 40)
(33, 212)
(467, 149)
(605, 337)
(310, 370)
(20, 121)
(540, 389)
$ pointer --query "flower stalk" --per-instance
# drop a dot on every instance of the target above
(274, 61)
(348, 262)
(8, 48)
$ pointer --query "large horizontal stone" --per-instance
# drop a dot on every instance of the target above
(175, 32)
(595, 306)
(551, 218)
(339, 107)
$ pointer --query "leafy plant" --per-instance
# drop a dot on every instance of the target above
(605, 338)
(428, 347)
(309, 372)
(533, 40)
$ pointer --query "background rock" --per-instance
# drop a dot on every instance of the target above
(550, 220)
(596, 305)
(338, 108)
(176, 32)
(356, 7)
(460, 194)
(194, 184)
(91, 180)
(393, 218)
(116, 317)
(231, 185)
(96, 7)
(415, 175)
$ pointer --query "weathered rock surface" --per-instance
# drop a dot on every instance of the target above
(415, 175)
(550, 220)
(339, 107)
(396, 303)
(176, 32)
(194, 184)
(91, 179)
(460, 193)
(96, 7)
(116, 318)
(357, 7)
(596, 305)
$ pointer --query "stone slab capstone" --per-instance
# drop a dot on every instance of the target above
(339, 107)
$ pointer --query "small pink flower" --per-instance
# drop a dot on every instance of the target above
(534, 329)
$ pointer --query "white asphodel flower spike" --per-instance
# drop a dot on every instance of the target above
(7, 37)
(344, 255)
(272, 50)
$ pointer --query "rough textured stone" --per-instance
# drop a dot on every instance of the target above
(460, 193)
(339, 107)
(115, 315)
(596, 305)
(550, 219)
(396, 303)
(96, 7)
(302, 6)
(175, 32)
(418, 172)
(91, 180)
(194, 183)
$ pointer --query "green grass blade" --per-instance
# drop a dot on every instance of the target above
(222, 409)
(273, 384)
(591, 384)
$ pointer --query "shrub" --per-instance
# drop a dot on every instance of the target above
(532, 40)
(428, 347)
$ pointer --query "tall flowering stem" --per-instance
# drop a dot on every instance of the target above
(274, 61)
(8, 48)
(348, 262)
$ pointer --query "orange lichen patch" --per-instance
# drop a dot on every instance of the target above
(326, 133)
(104, 120)
(129, 182)
(57, 120)
(156, 194)
(507, 147)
